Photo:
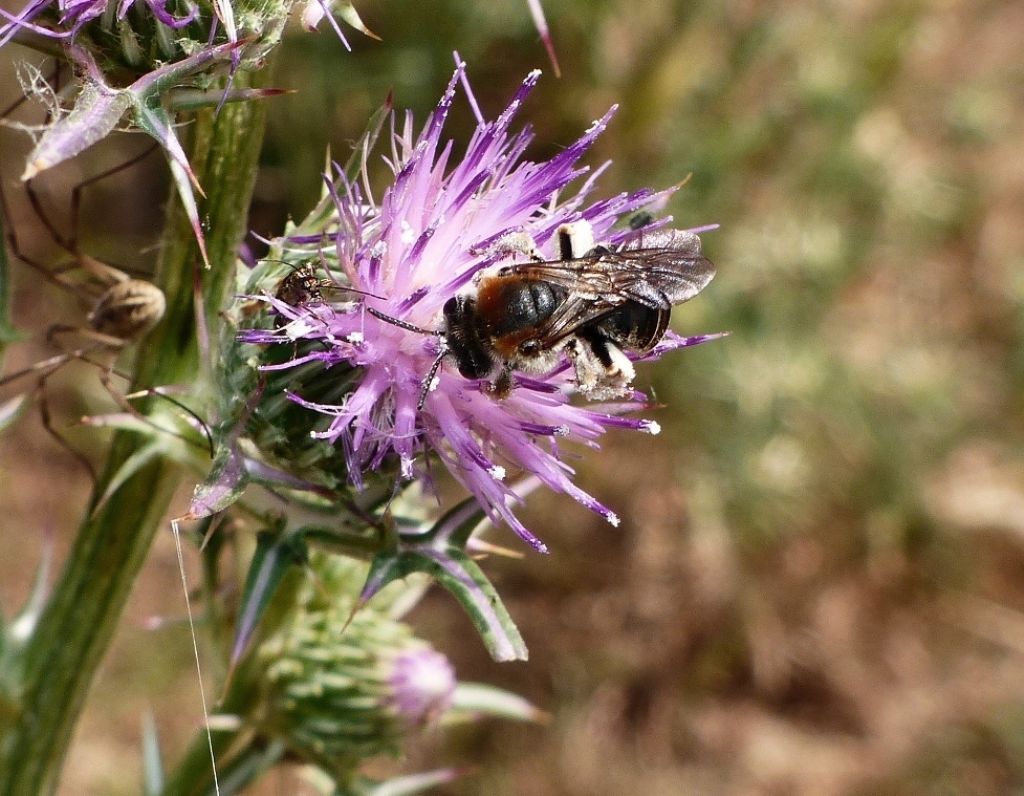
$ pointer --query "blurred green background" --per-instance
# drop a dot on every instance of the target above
(818, 583)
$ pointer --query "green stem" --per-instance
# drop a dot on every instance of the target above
(82, 614)
(7, 332)
(236, 768)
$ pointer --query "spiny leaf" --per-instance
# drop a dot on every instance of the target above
(440, 553)
(8, 333)
(139, 459)
(96, 112)
(275, 556)
(472, 700)
(194, 99)
(415, 783)
(24, 622)
(348, 13)
(14, 408)
(223, 486)
(159, 124)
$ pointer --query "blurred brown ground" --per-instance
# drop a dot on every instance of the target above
(818, 583)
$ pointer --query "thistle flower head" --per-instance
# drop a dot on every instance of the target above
(65, 20)
(440, 225)
(143, 34)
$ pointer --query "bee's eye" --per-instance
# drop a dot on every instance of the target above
(529, 347)
(450, 305)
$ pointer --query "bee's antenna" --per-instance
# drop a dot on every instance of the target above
(428, 382)
(442, 336)
(359, 292)
(293, 266)
(403, 324)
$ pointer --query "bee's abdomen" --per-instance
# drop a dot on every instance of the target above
(515, 306)
(634, 326)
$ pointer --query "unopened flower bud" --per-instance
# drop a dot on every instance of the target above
(422, 684)
(312, 13)
(339, 691)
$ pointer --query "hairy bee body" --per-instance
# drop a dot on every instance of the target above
(494, 330)
(591, 306)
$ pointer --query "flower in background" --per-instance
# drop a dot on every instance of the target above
(442, 222)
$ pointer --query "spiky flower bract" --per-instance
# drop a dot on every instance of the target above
(439, 225)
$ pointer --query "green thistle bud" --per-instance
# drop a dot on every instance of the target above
(338, 691)
(258, 386)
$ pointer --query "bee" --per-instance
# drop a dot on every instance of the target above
(592, 305)
(301, 286)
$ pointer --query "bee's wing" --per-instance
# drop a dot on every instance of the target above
(658, 270)
(571, 315)
(657, 277)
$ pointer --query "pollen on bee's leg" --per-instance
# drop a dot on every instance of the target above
(575, 239)
(513, 244)
(585, 363)
(502, 386)
(622, 369)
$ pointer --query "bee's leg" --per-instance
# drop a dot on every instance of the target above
(621, 370)
(520, 245)
(503, 384)
(575, 239)
(585, 363)
(602, 369)
(599, 345)
(430, 383)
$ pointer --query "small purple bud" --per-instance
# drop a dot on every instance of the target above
(422, 684)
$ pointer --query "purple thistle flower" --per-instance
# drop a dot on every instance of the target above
(437, 226)
(422, 685)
